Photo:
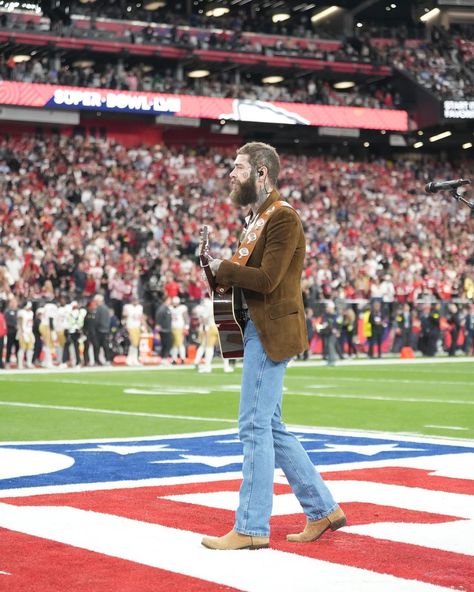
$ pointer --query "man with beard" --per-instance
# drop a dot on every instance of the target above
(275, 331)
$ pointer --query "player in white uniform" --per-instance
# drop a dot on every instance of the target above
(208, 337)
(133, 320)
(179, 327)
(48, 332)
(60, 328)
(25, 336)
(73, 326)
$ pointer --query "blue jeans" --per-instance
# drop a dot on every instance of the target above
(267, 442)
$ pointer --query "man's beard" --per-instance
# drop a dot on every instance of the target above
(244, 194)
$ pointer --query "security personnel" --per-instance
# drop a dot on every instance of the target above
(434, 329)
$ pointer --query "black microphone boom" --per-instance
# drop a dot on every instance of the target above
(443, 185)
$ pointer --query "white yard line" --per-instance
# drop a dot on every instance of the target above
(379, 398)
(34, 379)
(444, 427)
(314, 362)
(404, 381)
(93, 369)
(115, 412)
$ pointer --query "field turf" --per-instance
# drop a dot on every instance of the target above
(435, 399)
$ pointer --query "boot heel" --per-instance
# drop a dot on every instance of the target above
(256, 547)
(339, 523)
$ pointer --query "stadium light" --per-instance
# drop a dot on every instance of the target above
(431, 14)
(417, 144)
(18, 59)
(467, 145)
(280, 15)
(343, 84)
(440, 136)
(318, 16)
(83, 63)
(272, 79)
(198, 73)
(216, 10)
(154, 5)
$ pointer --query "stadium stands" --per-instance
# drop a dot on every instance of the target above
(440, 63)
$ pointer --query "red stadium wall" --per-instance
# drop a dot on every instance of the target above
(129, 135)
(198, 136)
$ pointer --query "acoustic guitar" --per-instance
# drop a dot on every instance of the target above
(227, 307)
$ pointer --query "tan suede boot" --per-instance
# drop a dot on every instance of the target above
(233, 541)
(315, 528)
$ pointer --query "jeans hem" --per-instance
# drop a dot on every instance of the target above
(251, 532)
(325, 515)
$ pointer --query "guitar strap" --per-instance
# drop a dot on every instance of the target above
(251, 236)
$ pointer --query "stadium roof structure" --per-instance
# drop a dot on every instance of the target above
(389, 13)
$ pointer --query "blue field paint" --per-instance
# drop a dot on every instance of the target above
(127, 460)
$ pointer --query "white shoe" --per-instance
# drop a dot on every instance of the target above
(228, 369)
(204, 370)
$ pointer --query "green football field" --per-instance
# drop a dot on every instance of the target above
(435, 399)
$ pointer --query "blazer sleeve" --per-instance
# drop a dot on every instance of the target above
(281, 234)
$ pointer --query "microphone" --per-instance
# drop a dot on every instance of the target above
(443, 185)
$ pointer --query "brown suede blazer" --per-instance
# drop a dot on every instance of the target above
(271, 282)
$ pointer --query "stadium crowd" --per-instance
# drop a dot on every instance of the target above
(444, 68)
(144, 77)
(440, 62)
(82, 219)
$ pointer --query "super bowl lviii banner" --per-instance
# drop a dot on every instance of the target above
(67, 97)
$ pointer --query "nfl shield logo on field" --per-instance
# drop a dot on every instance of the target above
(131, 513)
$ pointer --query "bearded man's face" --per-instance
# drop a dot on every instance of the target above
(243, 182)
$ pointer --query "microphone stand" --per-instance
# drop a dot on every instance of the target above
(458, 197)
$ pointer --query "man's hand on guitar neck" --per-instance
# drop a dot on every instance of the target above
(207, 260)
(214, 264)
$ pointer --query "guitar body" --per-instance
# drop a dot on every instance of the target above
(227, 309)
